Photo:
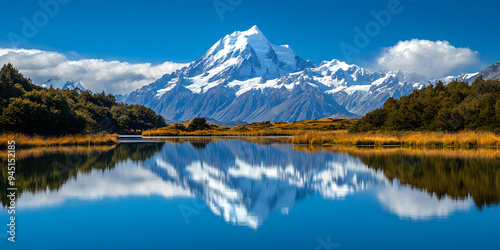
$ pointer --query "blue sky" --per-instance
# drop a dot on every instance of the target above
(181, 31)
(157, 31)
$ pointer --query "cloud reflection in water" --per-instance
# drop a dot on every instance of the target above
(245, 182)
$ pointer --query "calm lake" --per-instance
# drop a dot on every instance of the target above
(262, 193)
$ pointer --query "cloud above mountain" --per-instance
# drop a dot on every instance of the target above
(427, 58)
(97, 74)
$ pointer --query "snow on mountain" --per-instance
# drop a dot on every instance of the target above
(244, 55)
(466, 77)
(245, 189)
(358, 89)
(62, 84)
(245, 183)
(492, 72)
(238, 59)
(245, 78)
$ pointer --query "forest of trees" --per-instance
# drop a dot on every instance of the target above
(454, 107)
(31, 109)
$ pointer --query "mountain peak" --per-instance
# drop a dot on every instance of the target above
(336, 64)
(253, 37)
(246, 54)
(254, 30)
(492, 72)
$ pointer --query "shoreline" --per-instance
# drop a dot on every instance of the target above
(26, 141)
(406, 139)
(340, 138)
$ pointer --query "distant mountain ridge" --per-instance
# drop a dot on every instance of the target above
(245, 78)
(492, 72)
(62, 84)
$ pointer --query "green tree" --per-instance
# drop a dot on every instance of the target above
(198, 123)
(454, 107)
(27, 108)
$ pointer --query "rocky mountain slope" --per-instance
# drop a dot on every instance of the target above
(243, 77)
(492, 72)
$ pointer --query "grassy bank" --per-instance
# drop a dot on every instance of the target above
(334, 132)
(255, 129)
(446, 153)
(408, 139)
(42, 151)
(26, 141)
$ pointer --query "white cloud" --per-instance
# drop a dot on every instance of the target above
(428, 58)
(416, 204)
(126, 179)
(95, 74)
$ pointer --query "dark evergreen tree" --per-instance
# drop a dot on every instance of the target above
(27, 108)
(198, 124)
(454, 107)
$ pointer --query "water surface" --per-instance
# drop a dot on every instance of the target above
(261, 194)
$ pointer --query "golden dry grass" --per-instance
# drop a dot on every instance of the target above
(409, 151)
(466, 139)
(37, 152)
(24, 141)
(334, 132)
(259, 128)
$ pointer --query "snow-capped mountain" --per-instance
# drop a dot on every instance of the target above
(492, 72)
(466, 77)
(245, 183)
(241, 56)
(246, 188)
(359, 90)
(243, 77)
(62, 84)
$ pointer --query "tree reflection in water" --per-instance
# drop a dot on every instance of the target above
(245, 181)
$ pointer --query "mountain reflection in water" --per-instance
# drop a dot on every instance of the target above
(244, 182)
